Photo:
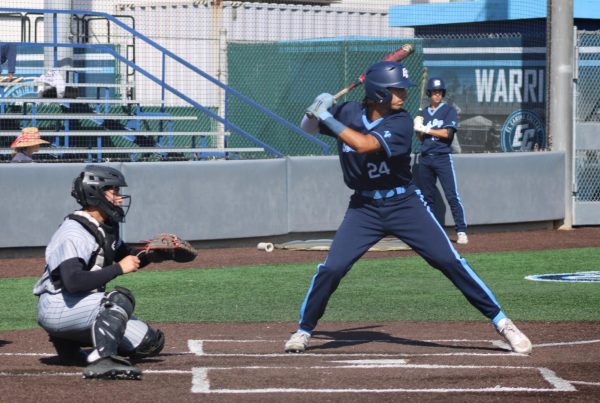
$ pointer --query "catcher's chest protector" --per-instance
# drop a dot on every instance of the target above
(105, 254)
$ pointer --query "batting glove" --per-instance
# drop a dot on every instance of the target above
(418, 125)
(319, 108)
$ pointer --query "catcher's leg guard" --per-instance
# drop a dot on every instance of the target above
(69, 352)
(151, 345)
(109, 327)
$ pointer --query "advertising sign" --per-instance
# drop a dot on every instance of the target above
(498, 86)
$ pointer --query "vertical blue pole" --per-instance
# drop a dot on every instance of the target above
(55, 37)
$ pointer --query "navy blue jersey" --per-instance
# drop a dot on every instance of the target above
(389, 167)
(442, 117)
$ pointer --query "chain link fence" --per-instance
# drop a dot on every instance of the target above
(252, 68)
(587, 150)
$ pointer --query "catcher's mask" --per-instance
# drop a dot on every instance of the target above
(89, 187)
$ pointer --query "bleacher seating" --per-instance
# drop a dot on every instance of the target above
(108, 126)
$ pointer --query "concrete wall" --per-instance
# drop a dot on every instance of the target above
(509, 187)
(216, 200)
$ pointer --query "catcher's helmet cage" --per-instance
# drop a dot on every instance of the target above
(383, 75)
(88, 190)
(436, 83)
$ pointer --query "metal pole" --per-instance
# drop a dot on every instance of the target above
(219, 52)
(64, 56)
(560, 90)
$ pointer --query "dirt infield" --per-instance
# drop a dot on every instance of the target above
(392, 361)
(383, 361)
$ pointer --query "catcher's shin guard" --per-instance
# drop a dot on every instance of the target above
(109, 327)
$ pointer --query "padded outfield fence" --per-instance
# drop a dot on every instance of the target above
(245, 71)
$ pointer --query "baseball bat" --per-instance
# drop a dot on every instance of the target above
(422, 95)
(397, 55)
(423, 85)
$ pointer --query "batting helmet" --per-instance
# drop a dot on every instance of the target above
(89, 186)
(436, 83)
(383, 75)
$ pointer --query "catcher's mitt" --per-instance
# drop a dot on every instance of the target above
(169, 247)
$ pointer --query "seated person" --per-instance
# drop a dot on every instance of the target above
(26, 144)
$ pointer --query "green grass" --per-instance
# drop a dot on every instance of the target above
(375, 290)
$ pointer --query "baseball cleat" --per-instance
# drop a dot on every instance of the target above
(113, 367)
(462, 238)
(297, 343)
(519, 343)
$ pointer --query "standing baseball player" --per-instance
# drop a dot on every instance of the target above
(84, 254)
(374, 143)
(436, 128)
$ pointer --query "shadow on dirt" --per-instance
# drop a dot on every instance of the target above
(364, 335)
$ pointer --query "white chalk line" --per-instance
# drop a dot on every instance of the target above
(567, 343)
(198, 389)
(305, 355)
(586, 383)
(201, 382)
(197, 347)
(342, 340)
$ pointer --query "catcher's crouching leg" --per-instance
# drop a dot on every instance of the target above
(107, 332)
(151, 345)
(109, 327)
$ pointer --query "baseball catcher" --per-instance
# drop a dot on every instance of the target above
(84, 254)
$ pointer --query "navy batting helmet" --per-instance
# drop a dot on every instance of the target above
(436, 83)
(89, 186)
(383, 75)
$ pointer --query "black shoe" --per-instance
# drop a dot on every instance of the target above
(113, 367)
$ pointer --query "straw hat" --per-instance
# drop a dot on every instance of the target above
(30, 136)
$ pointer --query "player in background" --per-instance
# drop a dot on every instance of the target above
(84, 254)
(436, 128)
(374, 143)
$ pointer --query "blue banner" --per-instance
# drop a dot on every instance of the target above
(498, 86)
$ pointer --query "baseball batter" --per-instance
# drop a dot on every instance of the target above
(83, 255)
(374, 143)
(436, 128)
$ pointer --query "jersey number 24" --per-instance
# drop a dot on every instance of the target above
(377, 171)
